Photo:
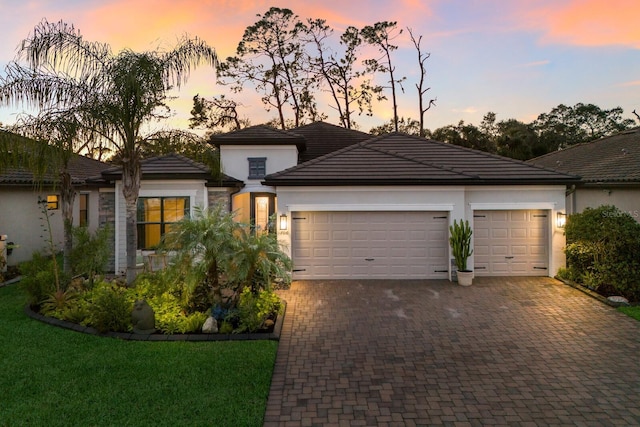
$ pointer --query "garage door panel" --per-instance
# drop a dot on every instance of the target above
(379, 244)
(519, 250)
(511, 243)
(321, 252)
(320, 235)
(499, 250)
(538, 250)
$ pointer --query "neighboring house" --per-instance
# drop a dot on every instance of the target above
(21, 217)
(610, 171)
(363, 207)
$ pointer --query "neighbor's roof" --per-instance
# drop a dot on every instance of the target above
(173, 166)
(400, 159)
(611, 159)
(81, 168)
(324, 138)
(259, 135)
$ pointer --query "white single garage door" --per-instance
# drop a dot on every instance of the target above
(511, 243)
(360, 245)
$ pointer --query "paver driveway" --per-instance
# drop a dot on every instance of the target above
(510, 351)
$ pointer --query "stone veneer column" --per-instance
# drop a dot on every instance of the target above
(219, 197)
(107, 215)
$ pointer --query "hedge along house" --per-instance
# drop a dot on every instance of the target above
(171, 187)
(381, 208)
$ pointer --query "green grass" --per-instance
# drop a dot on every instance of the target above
(54, 377)
(633, 311)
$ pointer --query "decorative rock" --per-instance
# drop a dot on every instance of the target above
(143, 318)
(618, 300)
(210, 326)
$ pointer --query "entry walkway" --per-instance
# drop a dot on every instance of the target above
(505, 351)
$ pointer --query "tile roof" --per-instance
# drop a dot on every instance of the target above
(81, 168)
(324, 138)
(259, 135)
(614, 158)
(400, 159)
(172, 166)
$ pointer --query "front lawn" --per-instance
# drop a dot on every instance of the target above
(55, 377)
(633, 311)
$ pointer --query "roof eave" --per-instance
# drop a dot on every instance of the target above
(412, 182)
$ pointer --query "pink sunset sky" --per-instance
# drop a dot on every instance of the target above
(517, 58)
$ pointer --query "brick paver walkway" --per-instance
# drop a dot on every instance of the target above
(509, 351)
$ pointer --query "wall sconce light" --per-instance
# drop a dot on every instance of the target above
(283, 222)
(561, 219)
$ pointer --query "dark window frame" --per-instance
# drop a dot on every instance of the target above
(83, 214)
(140, 224)
(257, 167)
(53, 202)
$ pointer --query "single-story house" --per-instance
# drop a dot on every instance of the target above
(381, 207)
(21, 218)
(349, 205)
(609, 168)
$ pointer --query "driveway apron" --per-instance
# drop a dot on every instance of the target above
(505, 351)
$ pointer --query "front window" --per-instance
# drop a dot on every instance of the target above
(84, 210)
(257, 167)
(53, 202)
(156, 216)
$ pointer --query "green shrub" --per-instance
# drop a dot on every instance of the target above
(255, 309)
(57, 302)
(225, 327)
(192, 323)
(90, 252)
(38, 279)
(602, 251)
(110, 308)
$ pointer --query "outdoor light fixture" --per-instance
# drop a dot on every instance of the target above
(283, 222)
(561, 219)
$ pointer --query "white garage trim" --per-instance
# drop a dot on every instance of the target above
(512, 206)
(368, 207)
(370, 244)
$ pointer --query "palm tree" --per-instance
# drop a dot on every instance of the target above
(113, 97)
(203, 245)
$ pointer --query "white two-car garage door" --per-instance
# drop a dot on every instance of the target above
(511, 243)
(381, 245)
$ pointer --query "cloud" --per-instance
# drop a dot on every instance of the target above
(466, 110)
(588, 23)
(535, 64)
(629, 84)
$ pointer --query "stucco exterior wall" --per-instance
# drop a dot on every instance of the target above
(235, 161)
(20, 220)
(458, 201)
(625, 199)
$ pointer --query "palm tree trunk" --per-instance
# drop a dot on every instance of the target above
(67, 196)
(130, 191)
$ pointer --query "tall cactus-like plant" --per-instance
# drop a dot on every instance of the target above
(460, 241)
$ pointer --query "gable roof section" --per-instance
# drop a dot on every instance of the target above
(259, 135)
(611, 159)
(173, 166)
(324, 138)
(400, 159)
